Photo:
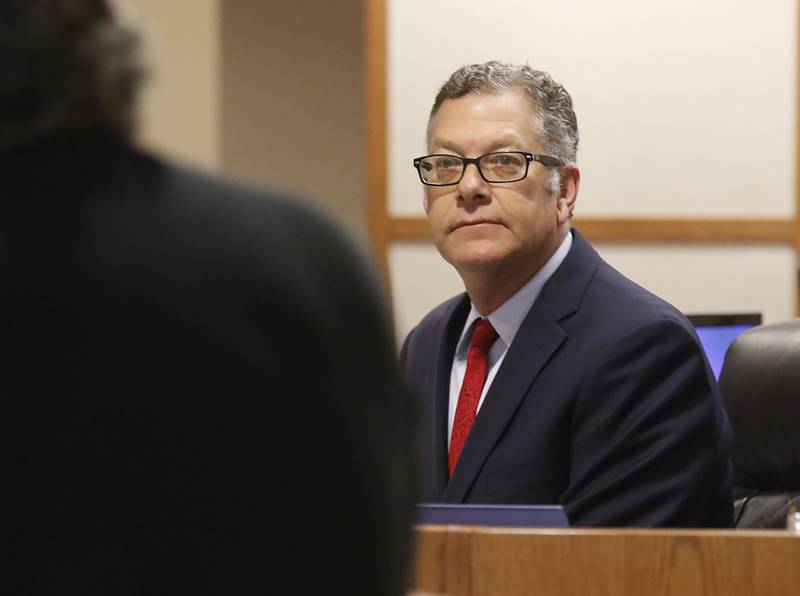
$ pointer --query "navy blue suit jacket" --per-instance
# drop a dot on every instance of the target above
(604, 403)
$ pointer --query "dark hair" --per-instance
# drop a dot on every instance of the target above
(557, 125)
(66, 66)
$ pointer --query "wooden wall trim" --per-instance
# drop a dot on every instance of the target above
(649, 231)
(375, 52)
(762, 231)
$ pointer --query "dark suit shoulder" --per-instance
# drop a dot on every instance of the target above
(423, 340)
(231, 228)
(625, 294)
(220, 202)
(613, 304)
(440, 314)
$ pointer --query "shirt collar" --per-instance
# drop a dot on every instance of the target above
(508, 318)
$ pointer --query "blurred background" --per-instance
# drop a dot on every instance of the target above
(269, 91)
(687, 112)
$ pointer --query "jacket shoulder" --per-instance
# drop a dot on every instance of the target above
(432, 322)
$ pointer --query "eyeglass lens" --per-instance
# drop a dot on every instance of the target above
(495, 167)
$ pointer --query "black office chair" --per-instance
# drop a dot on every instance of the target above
(760, 385)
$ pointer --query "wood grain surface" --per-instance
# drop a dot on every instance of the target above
(457, 561)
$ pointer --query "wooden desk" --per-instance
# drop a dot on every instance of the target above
(476, 561)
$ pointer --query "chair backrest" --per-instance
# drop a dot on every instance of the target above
(760, 386)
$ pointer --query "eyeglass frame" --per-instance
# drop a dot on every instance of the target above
(546, 160)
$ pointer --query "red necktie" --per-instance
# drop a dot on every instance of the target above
(483, 336)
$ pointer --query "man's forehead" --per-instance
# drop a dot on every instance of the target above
(490, 141)
(492, 102)
(497, 120)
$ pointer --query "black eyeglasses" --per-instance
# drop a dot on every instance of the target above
(502, 166)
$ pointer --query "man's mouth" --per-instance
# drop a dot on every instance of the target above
(474, 222)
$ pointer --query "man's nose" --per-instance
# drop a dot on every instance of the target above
(472, 186)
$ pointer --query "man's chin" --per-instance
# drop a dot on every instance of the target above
(475, 259)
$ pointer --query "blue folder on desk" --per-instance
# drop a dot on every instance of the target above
(508, 516)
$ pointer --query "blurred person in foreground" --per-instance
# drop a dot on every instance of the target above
(554, 379)
(199, 392)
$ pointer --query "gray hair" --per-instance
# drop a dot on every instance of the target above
(66, 67)
(556, 123)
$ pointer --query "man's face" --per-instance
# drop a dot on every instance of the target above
(497, 228)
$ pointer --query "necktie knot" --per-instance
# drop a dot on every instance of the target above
(483, 336)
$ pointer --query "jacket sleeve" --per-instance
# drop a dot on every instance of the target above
(650, 440)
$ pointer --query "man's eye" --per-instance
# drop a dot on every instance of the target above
(447, 162)
(504, 160)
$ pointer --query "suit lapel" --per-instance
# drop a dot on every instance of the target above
(538, 338)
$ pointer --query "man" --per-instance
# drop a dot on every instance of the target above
(554, 379)
(199, 392)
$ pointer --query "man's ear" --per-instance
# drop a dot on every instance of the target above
(568, 192)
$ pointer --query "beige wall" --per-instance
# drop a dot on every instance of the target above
(271, 92)
(243, 85)
(682, 112)
(679, 117)
(293, 102)
(181, 102)
(698, 279)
